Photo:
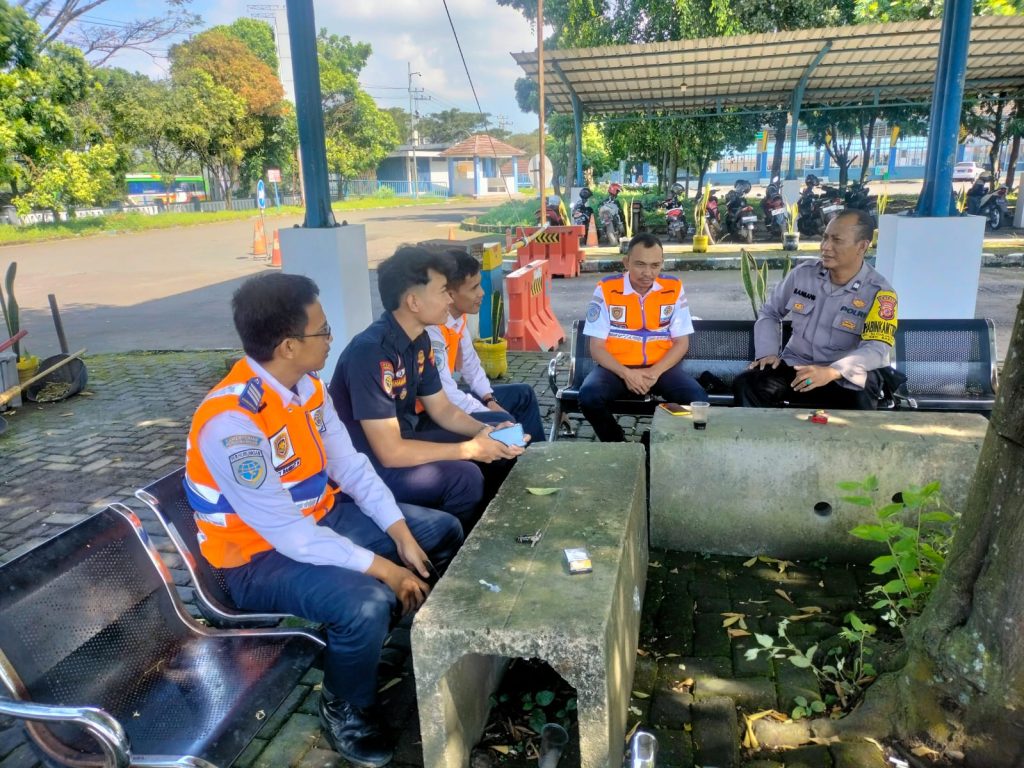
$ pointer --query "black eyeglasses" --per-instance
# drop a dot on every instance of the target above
(325, 332)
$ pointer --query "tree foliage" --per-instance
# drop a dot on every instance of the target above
(254, 34)
(66, 21)
(358, 134)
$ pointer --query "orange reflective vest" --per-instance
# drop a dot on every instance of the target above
(452, 337)
(297, 455)
(639, 326)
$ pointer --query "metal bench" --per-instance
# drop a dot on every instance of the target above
(96, 650)
(950, 365)
(723, 348)
(166, 497)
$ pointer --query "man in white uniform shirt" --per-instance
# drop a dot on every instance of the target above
(454, 353)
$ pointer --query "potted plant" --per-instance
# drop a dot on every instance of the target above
(493, 351)
(28, 364)
(791, 238)
(701, 236)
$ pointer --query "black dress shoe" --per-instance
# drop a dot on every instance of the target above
(355, 733)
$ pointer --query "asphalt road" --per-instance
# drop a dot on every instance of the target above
(170, 289)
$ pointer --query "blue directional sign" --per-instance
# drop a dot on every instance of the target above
(261, 194)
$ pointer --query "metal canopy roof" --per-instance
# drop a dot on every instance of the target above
(872, 62)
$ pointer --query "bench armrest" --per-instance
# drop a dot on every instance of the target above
(100, 725)
(553, 365)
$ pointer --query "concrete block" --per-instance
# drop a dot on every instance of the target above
(933, 263)
(764, 481)
(585, 626)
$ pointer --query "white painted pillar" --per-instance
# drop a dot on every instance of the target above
(335, 259)
(933, 263)
(1018, 216)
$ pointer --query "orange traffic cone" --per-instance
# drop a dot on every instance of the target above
(275, 251)
(451, 233)
(592, 234)
(259, 239)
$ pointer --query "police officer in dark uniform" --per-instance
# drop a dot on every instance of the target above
(388, 393)
(844, 327)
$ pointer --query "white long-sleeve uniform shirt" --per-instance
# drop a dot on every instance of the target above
(269, 509)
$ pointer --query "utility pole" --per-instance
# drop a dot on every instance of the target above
(414, 176)
(540, 105)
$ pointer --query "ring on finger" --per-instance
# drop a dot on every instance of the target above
(807, 382)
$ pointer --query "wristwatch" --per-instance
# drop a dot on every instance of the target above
(487, 399)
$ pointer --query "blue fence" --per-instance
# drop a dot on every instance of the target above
(378, 188)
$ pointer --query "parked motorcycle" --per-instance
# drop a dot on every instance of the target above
(713, 216)
(857, 197)
(611, 224)
(806, 222)
(553, 212)
(739, 216)
(773, 209)
(582, 212)
(675, 215)
(982, 200)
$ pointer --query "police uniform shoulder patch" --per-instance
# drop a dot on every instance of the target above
(666, 311)
(249, 467)
(593, 312)
(387, 377)
(617, 313)
(252, 396)
(421, 360)
(880, 324)
(437, 350)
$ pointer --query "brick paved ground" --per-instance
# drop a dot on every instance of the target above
(62, 462)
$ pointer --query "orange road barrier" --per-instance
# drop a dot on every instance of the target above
(508, 239)
(451, 233)
(275, 251)
(532, 325)
(592, 234)
(259, 239)
(558, 245)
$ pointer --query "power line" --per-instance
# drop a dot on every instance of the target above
(476, 98)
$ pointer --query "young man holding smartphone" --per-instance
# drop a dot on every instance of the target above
(388, 394)
(454, 353)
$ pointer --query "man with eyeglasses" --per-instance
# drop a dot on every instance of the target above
(263, 451)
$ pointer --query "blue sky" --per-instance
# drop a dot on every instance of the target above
(400, 31)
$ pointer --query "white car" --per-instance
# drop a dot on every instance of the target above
(967, 171)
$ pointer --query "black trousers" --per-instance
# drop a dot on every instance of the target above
(770, 388)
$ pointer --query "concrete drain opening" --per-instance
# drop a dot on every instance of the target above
(897, 498)
(823, 509)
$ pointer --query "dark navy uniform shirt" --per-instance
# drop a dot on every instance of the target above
(380, 375)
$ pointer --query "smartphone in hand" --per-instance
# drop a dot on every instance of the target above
(513, 435)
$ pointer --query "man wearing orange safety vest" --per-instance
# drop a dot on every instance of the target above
(639, 327)
(454, 353)
(263, 447)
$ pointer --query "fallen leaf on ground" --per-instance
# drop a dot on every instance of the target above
(641, 652)
(731, 620)
(500, 748)
(737, 632)
(389, 684)
(542, 491)
(751, 561)
(782, 593)
(826, 740)
(811, 609)
(641, 695)
(924, 751)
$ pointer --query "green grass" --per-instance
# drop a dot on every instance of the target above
(137, 222)
(515, 213)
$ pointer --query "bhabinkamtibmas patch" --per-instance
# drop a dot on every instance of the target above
(880, 324)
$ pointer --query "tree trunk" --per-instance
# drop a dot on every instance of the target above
(570, 165)
(962, 688)
(780, 143)
(998, 135)
(673, 168)
(1011, 166)
(866, 139)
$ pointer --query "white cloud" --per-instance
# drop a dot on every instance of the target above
(403, 31)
